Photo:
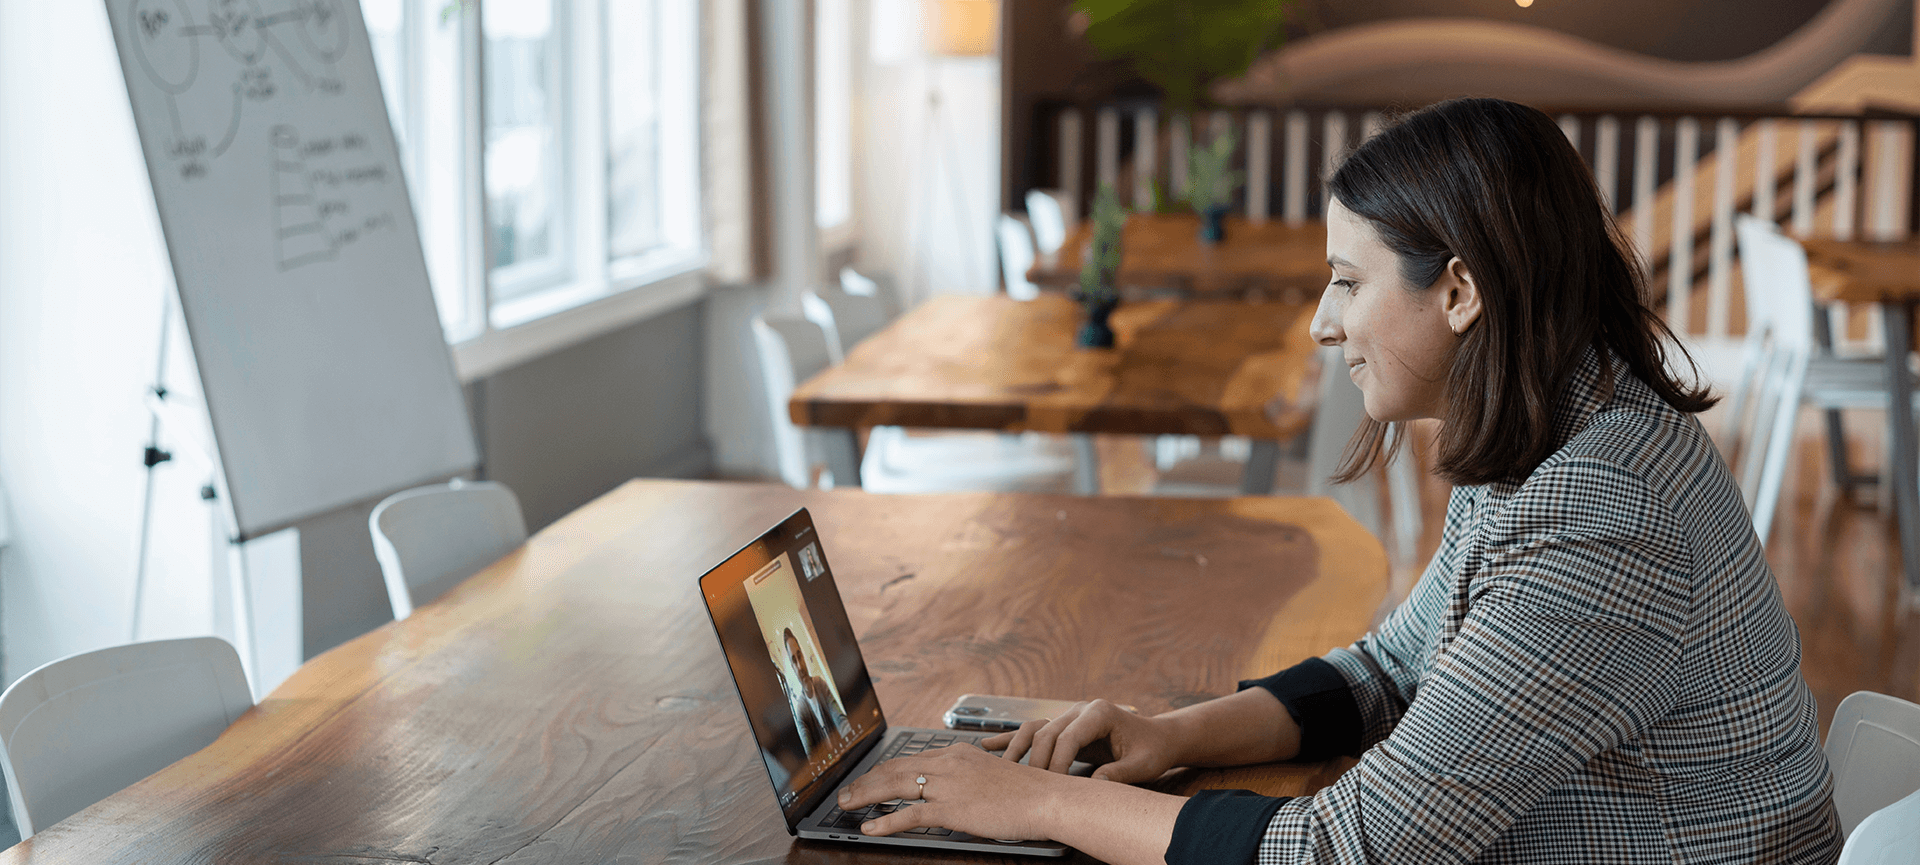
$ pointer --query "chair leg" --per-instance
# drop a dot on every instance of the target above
(1263, 460)
(1086, 465)
(1837, 453)
(842, 453)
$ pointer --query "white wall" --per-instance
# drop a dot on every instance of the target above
(82, 277)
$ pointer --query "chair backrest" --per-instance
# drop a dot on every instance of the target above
(792, 350)
(1873, 748)
(428, 539)
(1766, 404)
(1889, 836)
(1047, 211)
(846, 318)
(82, 728)
(879, 288)
(1016, 257)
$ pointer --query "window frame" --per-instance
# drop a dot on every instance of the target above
(525, 310)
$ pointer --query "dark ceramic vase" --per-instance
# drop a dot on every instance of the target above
(1213, 224)
(1095, 332)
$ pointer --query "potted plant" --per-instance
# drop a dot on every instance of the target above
(1211, 183)
(1184, 46)
(1098, 293)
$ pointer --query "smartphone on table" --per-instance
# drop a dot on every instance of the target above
(997, 714)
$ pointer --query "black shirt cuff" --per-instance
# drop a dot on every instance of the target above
(1221, 826)
(1322, 703)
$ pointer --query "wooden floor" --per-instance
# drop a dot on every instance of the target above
(1838, 561)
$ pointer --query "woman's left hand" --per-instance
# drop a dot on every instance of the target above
(967, 789)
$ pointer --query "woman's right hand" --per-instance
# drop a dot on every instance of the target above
(1132, 749)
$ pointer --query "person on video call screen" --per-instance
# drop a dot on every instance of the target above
(815, 711)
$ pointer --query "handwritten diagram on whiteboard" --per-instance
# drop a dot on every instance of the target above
(255, 55)
(295, 251)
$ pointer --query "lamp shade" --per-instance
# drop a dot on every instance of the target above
(962, 28)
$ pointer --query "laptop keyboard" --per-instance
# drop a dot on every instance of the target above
(903, 746)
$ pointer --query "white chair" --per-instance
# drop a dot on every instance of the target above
(1048, 213)
(1016, 257)
(1873, 748)
(1782, 368)
(81, 728)
(878, 287)
(428, 539)
(793, 350)
(1889, 836)
(846, 318)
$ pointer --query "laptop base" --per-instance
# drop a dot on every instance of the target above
(827, 824)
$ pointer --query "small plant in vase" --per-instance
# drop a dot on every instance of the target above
(1211, 183)
(1098, 293)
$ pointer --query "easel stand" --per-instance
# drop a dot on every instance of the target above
(235, 605)
(930, 139)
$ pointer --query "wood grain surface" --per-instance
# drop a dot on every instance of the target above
(570, 703)
(1164, 249)
(1177, 367)
(1864, 271)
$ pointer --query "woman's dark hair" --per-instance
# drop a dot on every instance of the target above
(1497, 185)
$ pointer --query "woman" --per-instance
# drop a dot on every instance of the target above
(1596, 666)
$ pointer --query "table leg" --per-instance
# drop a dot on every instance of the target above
(1836, 429)
(1086, 465)
(1263, 459)
(1903, 447)
(842, 452)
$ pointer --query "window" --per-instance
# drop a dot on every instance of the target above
(833, 113)
(524, 88)
(551, 147)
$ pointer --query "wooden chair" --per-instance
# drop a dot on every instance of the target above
(429, 539)
(83, 727)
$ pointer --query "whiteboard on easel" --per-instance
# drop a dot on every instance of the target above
(295, 252)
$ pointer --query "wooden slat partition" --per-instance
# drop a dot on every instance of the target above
(1675, 181)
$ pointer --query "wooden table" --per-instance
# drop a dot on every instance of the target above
(1192, 367)
(1164, 249)
(571, 703)
(1886, 273)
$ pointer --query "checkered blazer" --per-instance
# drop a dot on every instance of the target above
(1595, 667)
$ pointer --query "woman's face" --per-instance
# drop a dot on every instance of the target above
(1398, 338)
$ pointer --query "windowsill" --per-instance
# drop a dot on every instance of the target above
(552, 320)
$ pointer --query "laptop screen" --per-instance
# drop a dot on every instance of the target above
(786, 637)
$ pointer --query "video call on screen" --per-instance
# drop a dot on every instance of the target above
(793, 654)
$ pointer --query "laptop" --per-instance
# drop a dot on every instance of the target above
(807, 693)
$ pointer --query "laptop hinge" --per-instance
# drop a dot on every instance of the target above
(826, 784)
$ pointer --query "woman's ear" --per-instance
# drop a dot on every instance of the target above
(1463, 297)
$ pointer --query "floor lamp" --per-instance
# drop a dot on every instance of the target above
(954, 29)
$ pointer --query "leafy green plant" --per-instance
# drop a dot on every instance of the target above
(1102, 262)
(1182, 46)
(1211, 181)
